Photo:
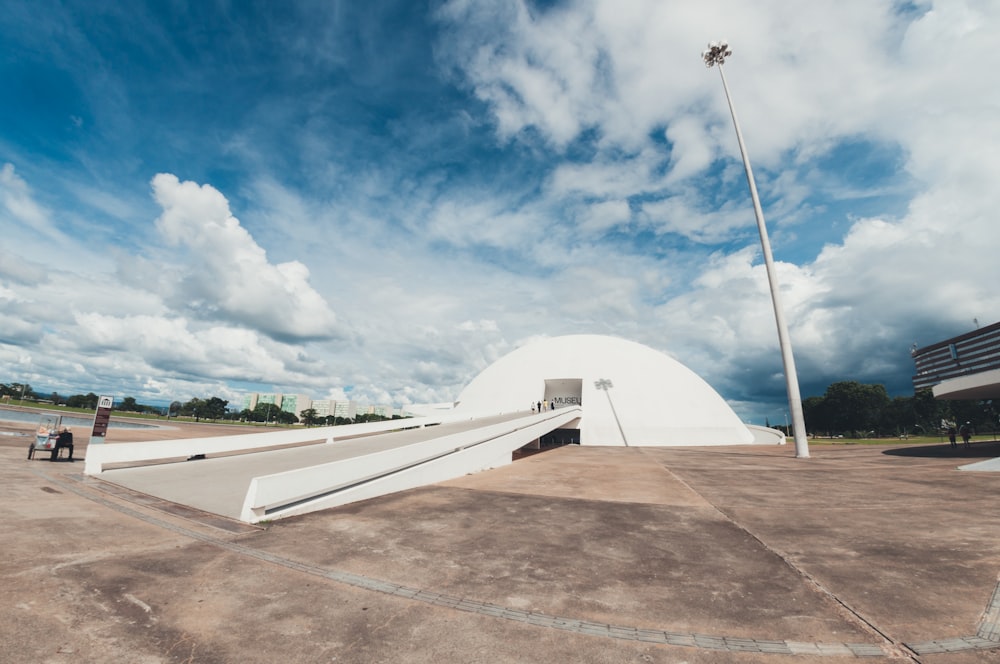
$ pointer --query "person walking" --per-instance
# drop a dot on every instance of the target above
(951, 437)
(966, 432)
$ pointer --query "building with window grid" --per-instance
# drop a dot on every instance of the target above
(963, 367)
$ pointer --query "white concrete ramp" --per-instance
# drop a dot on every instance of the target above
(272, 484)
(988, 466)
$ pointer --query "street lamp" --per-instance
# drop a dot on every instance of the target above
(716, 55)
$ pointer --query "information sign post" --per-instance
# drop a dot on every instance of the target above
(101, 419)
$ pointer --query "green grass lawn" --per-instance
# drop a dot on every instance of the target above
(31, 405)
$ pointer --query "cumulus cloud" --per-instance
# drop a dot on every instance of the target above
(228, 273)
(74, 328)
(173, 346)
(534, 69)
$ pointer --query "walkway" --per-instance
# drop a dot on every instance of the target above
(230, 476)
(580, 554)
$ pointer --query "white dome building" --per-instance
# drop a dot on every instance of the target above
(630, 393)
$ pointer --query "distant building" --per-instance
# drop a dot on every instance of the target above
(324, 407)
(963, 367)
(290, 403)
(633, 395)
(250, 401)
(348, 409)
(296, 403)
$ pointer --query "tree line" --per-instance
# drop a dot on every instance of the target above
(24, 392)
(212, 408)
(847, 408)
(859, 410)
(266, 412)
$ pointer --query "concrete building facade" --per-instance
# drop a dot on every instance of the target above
(296, 403)
(963, 367)
(631, 394)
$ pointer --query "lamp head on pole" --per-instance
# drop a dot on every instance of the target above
(717, 53)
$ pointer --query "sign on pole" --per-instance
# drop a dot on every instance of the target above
(101, 419)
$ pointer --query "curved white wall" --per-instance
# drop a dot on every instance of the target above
(658, 401)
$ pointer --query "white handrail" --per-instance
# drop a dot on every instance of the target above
(267, 494)
(99, 456)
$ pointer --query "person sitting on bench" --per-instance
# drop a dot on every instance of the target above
(65, 439)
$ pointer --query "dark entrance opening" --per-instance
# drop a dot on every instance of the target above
(559, 437)
(550, 441)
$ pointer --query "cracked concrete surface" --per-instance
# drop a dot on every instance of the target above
(580, 554)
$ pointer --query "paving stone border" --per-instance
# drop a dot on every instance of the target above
(989, 627)
(987, 637)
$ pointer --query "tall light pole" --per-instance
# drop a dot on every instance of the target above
(716, 55)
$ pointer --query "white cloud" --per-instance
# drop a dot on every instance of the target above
(691, 149)
(480, 222)
(17, 201)
(173, 346)
(606, 177)
(228, 274)
(478, 325)
(533, 69)
(18, 270)
(603, 216)
(17, 330)
(681, 214)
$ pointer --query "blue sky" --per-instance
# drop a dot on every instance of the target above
(377, 200)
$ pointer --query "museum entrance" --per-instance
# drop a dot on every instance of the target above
(550, 441)
(558, 393)
(563, 392)
(558, 438)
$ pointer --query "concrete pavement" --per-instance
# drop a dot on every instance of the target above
(737, 554)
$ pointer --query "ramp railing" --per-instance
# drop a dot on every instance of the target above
(379, 473)
(99, 456)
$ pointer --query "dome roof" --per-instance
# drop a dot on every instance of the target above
(630, 393)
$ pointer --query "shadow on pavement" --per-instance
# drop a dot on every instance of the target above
(979, 450)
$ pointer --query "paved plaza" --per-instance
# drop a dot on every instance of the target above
(580, 554)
